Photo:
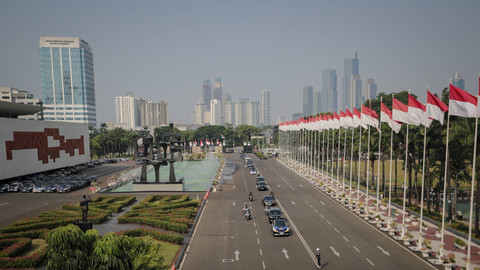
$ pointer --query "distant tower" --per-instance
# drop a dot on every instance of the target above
(350, 74)
(206, 94)
(217, 89)
(329, 90)
(458, 81)
(371, 89)
(265, 117)
(307, 100)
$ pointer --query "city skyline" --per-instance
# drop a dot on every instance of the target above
(162, 50)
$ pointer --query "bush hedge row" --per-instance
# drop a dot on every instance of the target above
(14, 246)
(161, 236)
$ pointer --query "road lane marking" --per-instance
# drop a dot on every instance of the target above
(4, 204)
(345, 238)
(254, 224)
(258, 241)
(335, 252)
(322, 203)
(356, 249)
(293, 202)
(322, 216)
(329, 222)
(236, 254)
(316, 211)
(256, 232)
(370, 261)
(306, 202)
(261, 254)
(278, 185)
(383, 251)
(233, 203)
(336, 230)
(311, 206)
(263, 263)
(300, 185)
(284, 251)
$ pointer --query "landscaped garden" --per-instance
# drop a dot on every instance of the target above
(52, 238)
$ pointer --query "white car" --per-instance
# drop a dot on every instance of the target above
(39, 188)
(253, 171)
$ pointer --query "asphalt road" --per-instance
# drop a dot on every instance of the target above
(225, 240)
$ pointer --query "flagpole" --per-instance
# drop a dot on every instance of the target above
(379, 156)
(405, 183)
(338, 156)
(445, 188)
(390, 182)
(469, 266)
(351, 166)
(328, 149)
(368, 164)
(359, 154)
(323, 155)
(420, 232)
(344, 159)
(333, 148)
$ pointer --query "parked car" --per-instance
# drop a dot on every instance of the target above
(274, 213)
(39, 188)
(28, 187)
(4, 188)
(90, 165)
(15, 187)
(262, 185)
(280, 227)
(63, 188)
(268, 200)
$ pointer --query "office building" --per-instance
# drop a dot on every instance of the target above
(215, 112)
(265, 112)
(252, 113)
(199, 113)
(9, 94)
(153, 114)
(350, 73)
(371, 89)
(217, 89)
(329, 90)
(67, 80)
(127, 111)
(230, 113)
(206, 94)
(356, 96)
(307, 100)
(239, 113)
(317, 101)
(458, 81)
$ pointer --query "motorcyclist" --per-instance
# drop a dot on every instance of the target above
(248, 214)
(271, 193)
(250, 196)
(245, 207)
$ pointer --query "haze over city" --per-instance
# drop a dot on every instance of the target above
(165, 50)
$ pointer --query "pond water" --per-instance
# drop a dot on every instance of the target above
(198, 175)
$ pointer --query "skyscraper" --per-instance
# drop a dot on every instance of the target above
(351, 68)
(206, 94)
(217, 89)
(329, 90)
(265, 113)
(252, 113)
(127, 111)
(307, 100)
(67, 80)
(356, 96)
(458, 81)
(153, 114)
(199, 113)
(371, 89)
(317, 101)
(215, 112)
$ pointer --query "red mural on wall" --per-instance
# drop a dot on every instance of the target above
(39, 140)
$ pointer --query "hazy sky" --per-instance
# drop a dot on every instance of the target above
(163, 50)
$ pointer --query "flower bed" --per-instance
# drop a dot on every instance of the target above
(14, 246)
(169, 212)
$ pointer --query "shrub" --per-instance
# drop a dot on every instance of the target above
(459, 242)
(161, 236)
(14, 246)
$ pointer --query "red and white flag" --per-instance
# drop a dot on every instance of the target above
(417, 112)
(386, 117)
(400, 112)
(367, 119)
(349, 118)
(462, 103)
(435, 108)
(336, 120)
(343, 117)
(357, 117)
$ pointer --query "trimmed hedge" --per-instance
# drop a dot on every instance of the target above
(14, 246)
(29, 261)
(160, 236)
(172, 226)
(33, 234)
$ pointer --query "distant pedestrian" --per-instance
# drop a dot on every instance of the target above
(319, 258)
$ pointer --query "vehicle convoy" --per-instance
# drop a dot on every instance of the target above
(280, 227)
(274, 213)
(262, 185)
(269, 200)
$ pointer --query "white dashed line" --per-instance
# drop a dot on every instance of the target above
(356, 249)
(329, 222)
(316, 211)
(345, 238)
(369, 261)
(261, 254)
(258, 241)
(336, 230)
(263, 263)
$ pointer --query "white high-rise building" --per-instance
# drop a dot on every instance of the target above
(239, 113)
(371, 89)
(252, 113)
(265, 113)
(230, 113)
(215, 112)
(200, 109)
(127, 111)
(153, 114)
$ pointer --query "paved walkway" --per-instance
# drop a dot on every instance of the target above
(411, 233)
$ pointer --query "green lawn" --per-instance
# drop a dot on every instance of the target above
(168, 251)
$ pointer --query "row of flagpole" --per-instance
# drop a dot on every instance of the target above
(415, 113)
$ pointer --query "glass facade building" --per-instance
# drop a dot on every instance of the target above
(307, 100)
(67, 80)
(329, 90)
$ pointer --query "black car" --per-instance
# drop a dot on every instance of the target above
(260, 178)
(262, 185)
(269, 200)
(274, 213)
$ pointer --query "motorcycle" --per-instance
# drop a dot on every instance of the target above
(250, 197)
(248, 215)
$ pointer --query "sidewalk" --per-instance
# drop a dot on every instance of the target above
(431, 236)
